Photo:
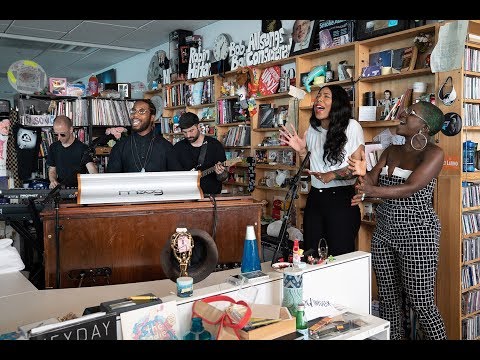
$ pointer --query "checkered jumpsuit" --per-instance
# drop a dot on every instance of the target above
(404, 250)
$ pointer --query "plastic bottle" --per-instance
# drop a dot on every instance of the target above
(250, 259)
(301, 320)
(93, 85)
(197, 331)
(296, 256)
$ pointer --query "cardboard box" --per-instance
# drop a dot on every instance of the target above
(268, 332)
(103, 150)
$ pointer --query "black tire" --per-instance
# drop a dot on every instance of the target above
(203, 262)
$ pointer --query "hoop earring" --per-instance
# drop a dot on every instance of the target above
(424, 139)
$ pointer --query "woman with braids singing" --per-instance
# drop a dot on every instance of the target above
(406, 239)
(331, 138)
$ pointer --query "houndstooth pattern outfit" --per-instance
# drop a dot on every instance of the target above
(405, 247)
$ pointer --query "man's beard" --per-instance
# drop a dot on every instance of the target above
(143, 127)
(192, 140)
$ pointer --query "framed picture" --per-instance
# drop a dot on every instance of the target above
(367, 29)
(302, 36)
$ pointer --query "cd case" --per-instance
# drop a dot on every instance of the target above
(254, 276)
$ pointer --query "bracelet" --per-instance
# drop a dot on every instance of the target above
(363, 196)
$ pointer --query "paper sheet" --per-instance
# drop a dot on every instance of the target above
(448, 52)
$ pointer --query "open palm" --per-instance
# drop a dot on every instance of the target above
(291, 137)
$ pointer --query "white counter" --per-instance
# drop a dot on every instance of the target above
(347, 281)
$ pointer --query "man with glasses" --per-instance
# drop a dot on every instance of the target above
(200, 152)
(67, 156)
(142, 151)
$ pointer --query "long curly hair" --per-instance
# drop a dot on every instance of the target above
(340, 114)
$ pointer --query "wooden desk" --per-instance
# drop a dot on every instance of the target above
(128, 238)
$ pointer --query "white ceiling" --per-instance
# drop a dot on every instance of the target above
(72, 51)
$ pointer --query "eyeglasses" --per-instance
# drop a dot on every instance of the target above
(407, 112)
(139, 111)
(61, 135)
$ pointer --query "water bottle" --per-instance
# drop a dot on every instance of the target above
(197, 331)
(469, 150)
(250, 259)
(301, 320)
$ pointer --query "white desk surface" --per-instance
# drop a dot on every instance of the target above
(14, 283)
(23, 304)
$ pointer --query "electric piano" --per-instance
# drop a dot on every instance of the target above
(21, 195)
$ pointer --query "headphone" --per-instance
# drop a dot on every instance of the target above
(447, 98)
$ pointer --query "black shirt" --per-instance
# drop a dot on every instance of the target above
(135, 152)
(186, 157)
(68, 161)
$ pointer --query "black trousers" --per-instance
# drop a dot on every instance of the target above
(329, 215)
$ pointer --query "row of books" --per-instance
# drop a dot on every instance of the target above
(471, 87)
(237, 136)
(372, 154)
(471, 249)
(471, 114)
(471, 60)
(75, 109)
(204, 96)
(175, 95)
(470, 194)
(470, 302)
(470, 275)
(471, 328)
(470, 222)
(107, 112)
(228, 111)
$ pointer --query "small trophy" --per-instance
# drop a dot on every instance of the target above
(181, 243)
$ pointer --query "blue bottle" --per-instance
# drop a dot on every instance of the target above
(469, 150)
(250, 259)
(197, 331)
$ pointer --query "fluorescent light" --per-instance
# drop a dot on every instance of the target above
(77, 43)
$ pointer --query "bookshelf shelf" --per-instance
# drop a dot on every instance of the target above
(474, 287)
(471, 261)
(379, 123)
(392, 77)
(201, 106)
(260, 187)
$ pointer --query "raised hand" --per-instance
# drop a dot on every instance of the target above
(291, 137)
(358, 167)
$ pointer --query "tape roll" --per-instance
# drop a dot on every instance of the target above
(202, 263)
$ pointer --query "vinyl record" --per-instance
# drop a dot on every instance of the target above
(452, 124)
(158, 102)
(27, 77)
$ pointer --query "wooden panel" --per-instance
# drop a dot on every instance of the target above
(129, 238)
(448, 287)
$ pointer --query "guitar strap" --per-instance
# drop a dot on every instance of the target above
(203, 152)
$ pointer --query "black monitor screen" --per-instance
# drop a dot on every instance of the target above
(107, 77)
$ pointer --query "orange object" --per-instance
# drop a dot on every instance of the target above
(93, 85)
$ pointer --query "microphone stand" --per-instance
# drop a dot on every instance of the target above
(55, 195)
(292, 194)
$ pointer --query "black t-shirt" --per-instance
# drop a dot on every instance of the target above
(69, 161)
(132, 153)
(186, 157)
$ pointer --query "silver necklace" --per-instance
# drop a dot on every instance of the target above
(147, 156)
